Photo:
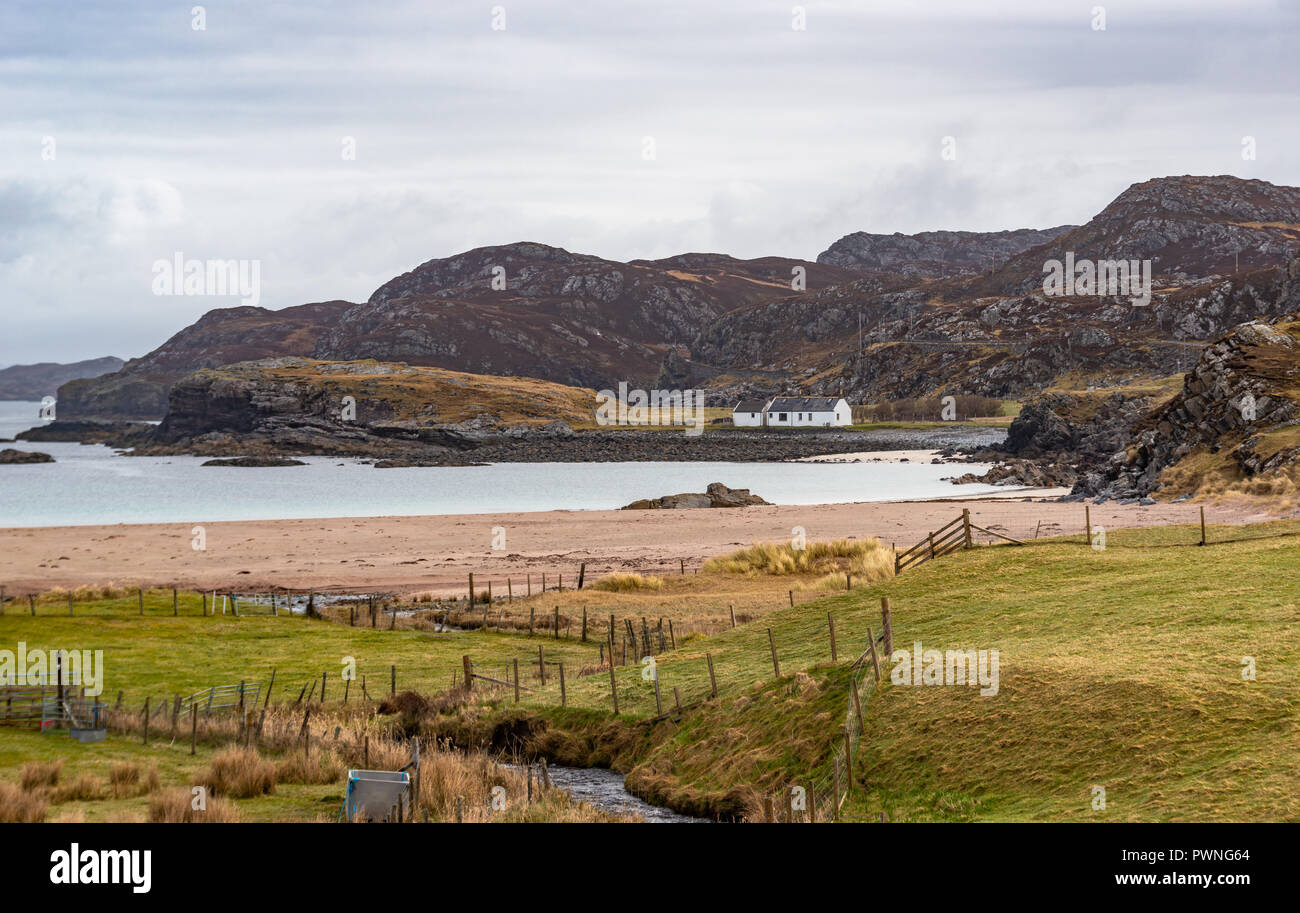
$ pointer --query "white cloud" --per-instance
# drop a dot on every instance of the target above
(226, 143)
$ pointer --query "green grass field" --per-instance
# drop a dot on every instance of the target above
(1119, 668)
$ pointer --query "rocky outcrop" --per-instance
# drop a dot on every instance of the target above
(254, 462)
(35, 382)
(1237, 403)
(113, 434)
(934, 254)
(11, 457)
(716, 495)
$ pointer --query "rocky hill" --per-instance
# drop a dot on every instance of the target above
(571, 318)
(34, 382)
(934, 254)
(1190, 227)
(139, 389)
(998, 334)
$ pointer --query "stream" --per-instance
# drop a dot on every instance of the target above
(604, 789)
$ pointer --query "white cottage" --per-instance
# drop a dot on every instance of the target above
(808, 412)
(748, 413)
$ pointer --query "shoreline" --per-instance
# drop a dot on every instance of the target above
(435, 553)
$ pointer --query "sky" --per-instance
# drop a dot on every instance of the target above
(339, 144)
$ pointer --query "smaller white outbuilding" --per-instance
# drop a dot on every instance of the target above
(748, 413)
(808, 412)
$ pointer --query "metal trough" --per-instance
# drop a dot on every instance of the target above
(372, 794)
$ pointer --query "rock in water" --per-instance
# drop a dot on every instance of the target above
(10, 456)
(716, 495)
(255, 461)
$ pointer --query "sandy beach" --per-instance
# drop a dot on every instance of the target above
(435, 553)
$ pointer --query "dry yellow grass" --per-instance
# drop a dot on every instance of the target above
(622, 583)
(865, 558)
(37, 774)
(321, 767)
(19, 806)
(126, 779)
(176, 806)
(239, 773)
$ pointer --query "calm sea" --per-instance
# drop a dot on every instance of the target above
(89, 484)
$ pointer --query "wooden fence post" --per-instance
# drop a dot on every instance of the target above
(659, 706)
(672, 636)
(857, 705)
(830, 618)
(582, 574)
(931, 545)
(31, 604)
(564, 699)
(1202, 525)
(393, 681)
(771, 639)
(584, 622)
(556, 624)
(848, 761)
(1087, 523)
(469, 675)
(875, 662)
(965, 522)
(732, 608)
(541, 664)
(471, 592)
(516, 663)
(146, 721)
(613, 684)
(532, 611)
(887, 626)
(713, 680)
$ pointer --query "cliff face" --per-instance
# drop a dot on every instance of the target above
(34, 382)
(1235, 425)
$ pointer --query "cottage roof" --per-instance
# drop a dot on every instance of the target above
(804, 404)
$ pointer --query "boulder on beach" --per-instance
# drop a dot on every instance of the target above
(10, 456)
(716, 495)
(255, 461)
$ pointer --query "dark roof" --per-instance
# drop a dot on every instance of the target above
(804, 404)
(750, 405)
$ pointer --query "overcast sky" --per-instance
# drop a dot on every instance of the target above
(228, 142)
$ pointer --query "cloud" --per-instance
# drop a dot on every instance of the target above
(227, 142)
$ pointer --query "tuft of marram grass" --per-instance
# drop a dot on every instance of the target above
(865, 559)
(623, 583)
